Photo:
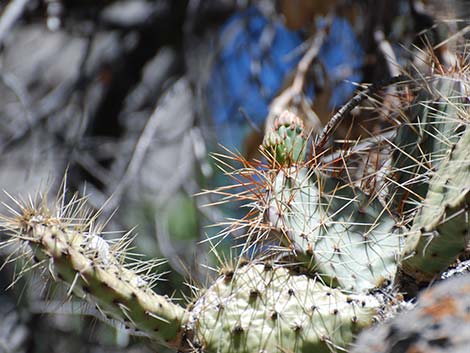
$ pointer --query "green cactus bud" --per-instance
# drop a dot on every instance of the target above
(286, 144)
(441, 228)
(268, 309)
(344, 235)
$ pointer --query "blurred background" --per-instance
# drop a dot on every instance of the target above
(131, 97)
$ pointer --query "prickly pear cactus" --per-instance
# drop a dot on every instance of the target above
(286, 144)
(441, 228)
(346, 237)
(322, 250)
(253, 308)
(333, 228)
(265, 308)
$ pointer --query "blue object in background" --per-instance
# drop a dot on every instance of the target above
(342, 56)
(255, 57)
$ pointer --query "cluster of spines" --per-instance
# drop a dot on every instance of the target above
(264, 307)
(441, 227)
(65, 239)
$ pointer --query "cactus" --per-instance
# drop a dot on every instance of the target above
(431, 181)
(322, 249)
(352, 239)
(64, 239)
(343, 235)
(265, 308)
(286, 145)
(252, 308)
(432, 125)
(331, 227)
(440, 231)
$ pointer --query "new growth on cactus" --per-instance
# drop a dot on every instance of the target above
(286, 144)
(325, 255)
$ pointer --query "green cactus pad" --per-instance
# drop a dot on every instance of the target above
(260, 308)
(441, 228)
(286, 144)
(346, 237)
(422, 141)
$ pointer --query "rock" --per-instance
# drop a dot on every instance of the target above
(440, 322)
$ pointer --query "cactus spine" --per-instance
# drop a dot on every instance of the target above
(325, 246)
(252, 309)
(441, 228)
(65, 241)
(264, 308)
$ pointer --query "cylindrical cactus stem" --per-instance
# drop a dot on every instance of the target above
(94, 269)
(441, 228)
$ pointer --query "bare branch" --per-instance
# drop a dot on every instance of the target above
(10, 16)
